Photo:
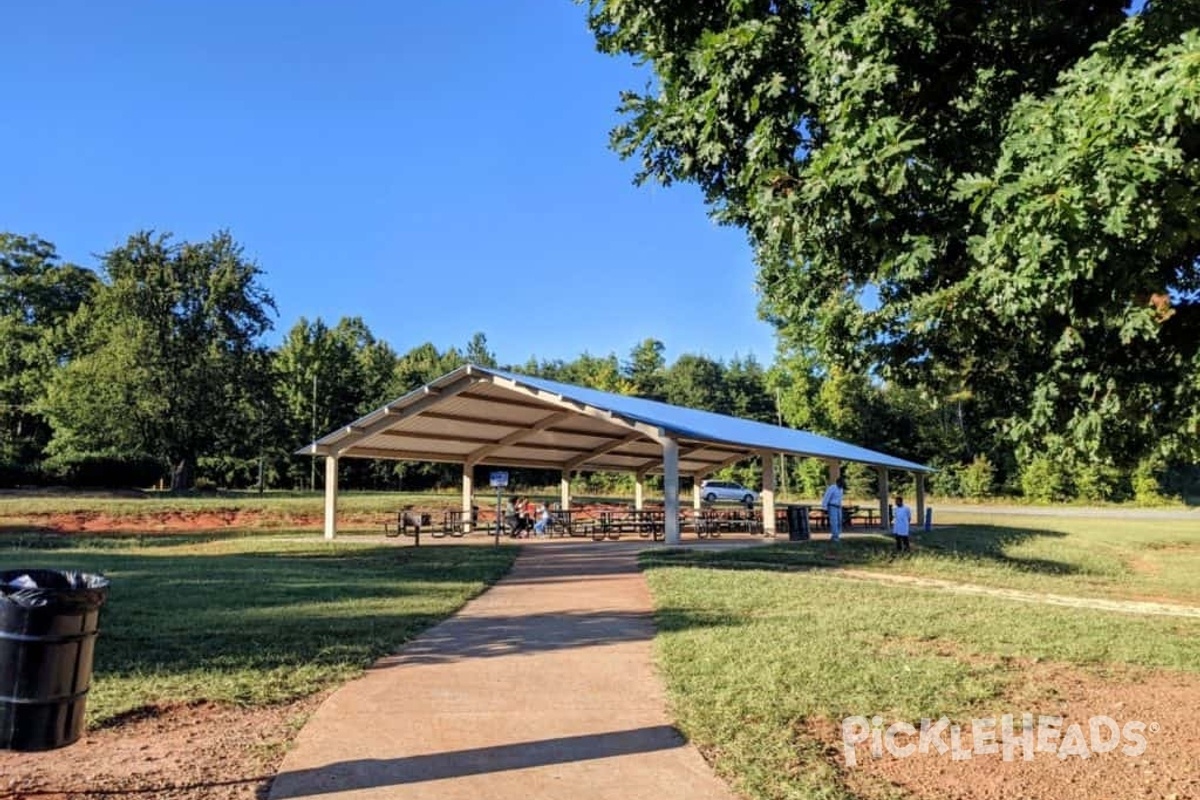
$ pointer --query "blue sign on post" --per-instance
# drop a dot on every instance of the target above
(499, 479)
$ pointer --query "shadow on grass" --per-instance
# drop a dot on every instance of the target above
(267, 605)
(985, 544)
(303, 607)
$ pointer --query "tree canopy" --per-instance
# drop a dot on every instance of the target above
(994, 203)
(169, 360)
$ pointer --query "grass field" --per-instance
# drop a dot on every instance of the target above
(253, 620)
(764, 647)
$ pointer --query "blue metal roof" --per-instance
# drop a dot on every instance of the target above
(692, 423)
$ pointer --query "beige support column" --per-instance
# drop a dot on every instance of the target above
(331, 492)
(697, 501)
(639, 490)
(468, 492)
(671, 489)
(564, 490)
(919, 522)
(768, 492)
(885, 518)
(834, 467)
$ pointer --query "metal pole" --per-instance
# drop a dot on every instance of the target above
(782, 456)
(312, 478)
(499, 518)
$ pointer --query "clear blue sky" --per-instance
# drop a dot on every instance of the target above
(435, 169)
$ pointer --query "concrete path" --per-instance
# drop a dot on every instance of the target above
(542, 687)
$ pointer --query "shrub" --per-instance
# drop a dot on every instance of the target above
(1098, 483)
(105, 471)
(978, 478)
(812, 477)
(1147, 490)
(1043, 479)
(947, 481)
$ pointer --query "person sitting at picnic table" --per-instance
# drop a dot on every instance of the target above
(517, 524)
(543, 522)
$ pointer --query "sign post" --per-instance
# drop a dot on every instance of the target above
(499, 480)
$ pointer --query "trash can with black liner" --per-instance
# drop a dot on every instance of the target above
(797, 522)
(48, 626)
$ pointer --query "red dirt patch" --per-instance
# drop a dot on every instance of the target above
(166, 521)
(1164, 702)
(196, 752)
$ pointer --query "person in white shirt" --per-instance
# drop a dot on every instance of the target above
(832, 503)
(901, 525)
(542, 526)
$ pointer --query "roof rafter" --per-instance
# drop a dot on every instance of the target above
(352, 434)
(579, 461)
(543, 424)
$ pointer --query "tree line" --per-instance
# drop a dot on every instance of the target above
(153, 371)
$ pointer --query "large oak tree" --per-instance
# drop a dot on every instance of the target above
(170, 362)
(993, 202)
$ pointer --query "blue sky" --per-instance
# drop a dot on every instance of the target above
(435, 173)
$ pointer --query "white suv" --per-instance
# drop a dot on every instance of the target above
(712, 491)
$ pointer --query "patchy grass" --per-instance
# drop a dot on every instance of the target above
(253, 621)
(1115, 558)
(757, 662)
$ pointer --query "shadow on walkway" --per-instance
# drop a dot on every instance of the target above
(374, 773)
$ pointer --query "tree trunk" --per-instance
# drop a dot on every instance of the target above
(182, 475)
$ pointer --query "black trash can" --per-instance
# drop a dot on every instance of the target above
(48, 626)
(797, 522)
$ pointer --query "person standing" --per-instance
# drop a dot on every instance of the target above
(901, 525)
(542, 526)
(832, 503)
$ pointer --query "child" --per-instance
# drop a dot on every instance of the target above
(543, 524)
(901, 523)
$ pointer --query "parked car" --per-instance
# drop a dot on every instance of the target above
(712, 491)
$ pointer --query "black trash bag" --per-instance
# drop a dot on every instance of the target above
(64, 589)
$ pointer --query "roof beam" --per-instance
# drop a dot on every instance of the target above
(352, 434)
(516, 436)
(683, 454)
(444, 458)
(729, 462)
(549, 398)
(603, 449)
(563, 429)
(503, 401)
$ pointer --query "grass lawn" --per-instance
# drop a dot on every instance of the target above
(1156, 559)
(760, 661)
(253, 620)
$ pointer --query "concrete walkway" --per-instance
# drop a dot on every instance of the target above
(542, 687)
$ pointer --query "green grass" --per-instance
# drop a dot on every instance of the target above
(759, 663)
(1155, 559)
(253, 620)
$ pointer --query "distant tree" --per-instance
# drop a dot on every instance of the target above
(478, 352)
(746, 389)
(38, 295)
(423, 364)
(169, 348)
(697, 382)
(326, 377)
(646, 369)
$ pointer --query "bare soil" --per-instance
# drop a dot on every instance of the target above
(1168, 769)
(188, 752)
